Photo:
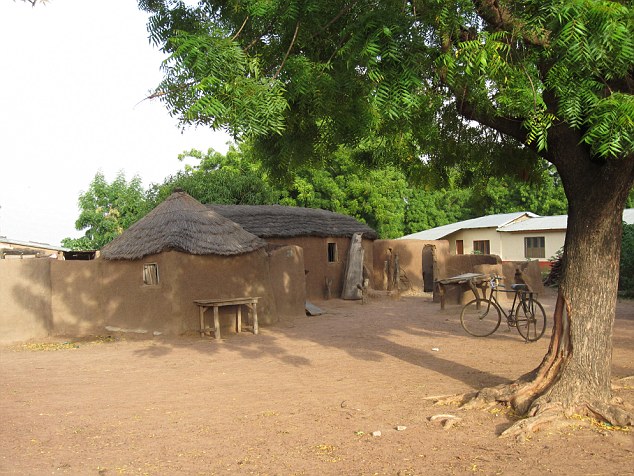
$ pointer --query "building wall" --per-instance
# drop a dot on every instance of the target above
(513, 244)
(48, 297)
(25, 299)
(469, 236)
(410, 253)
(317, 267)
(288, 282)
(10, 249)
(508, 246)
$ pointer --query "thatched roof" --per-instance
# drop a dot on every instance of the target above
(277, 221)
(181, 223)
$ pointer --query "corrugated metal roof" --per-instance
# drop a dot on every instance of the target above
(489, 221)
(505, 222)
(31, 244)
(556, 222)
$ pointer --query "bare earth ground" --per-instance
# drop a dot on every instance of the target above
(293, 400)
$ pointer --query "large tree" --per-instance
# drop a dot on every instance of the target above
(541, 78)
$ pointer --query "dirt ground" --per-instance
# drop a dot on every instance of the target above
(293, 400)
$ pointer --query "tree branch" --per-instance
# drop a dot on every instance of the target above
(240, 30)
(509, 126)
(500, 18)
(288, 52)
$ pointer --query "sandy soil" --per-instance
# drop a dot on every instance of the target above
(293, 400)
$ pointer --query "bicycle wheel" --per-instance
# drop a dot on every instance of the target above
(482, 320)
(531, 320)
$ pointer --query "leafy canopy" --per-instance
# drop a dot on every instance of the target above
(305, 76)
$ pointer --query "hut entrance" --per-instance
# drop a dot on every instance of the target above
(429, 258)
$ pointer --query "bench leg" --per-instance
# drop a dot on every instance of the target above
(255, 318)
(216, 323)
(239, 319)
(201, 313)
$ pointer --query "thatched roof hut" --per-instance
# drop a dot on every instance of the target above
(182, 223)
(277, 221)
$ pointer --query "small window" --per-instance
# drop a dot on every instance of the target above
(459, 247)
(332, 253)
(482, 247)
(150, 274)
(535, 247)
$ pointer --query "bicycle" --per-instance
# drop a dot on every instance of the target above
(482, 317)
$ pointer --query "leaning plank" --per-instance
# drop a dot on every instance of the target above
(354, 270)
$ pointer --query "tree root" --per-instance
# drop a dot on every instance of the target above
(550, 415)
(542, 413)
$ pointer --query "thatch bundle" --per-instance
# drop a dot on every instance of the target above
(182, 223)
(277, 221)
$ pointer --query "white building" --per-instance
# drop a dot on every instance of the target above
(514, 236)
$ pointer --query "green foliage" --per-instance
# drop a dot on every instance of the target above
(375, 196)
(226, 179)
(504, 195)
(106, 209)
(209, 80)
(431, 208)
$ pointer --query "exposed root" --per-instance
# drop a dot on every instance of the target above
(611, 414)
(623, 383)
(540, 412)
(458, 400)
(551, 415)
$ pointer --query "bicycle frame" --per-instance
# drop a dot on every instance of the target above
(526, 314)
(521, 297)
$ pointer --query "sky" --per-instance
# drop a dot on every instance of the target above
(73, 81)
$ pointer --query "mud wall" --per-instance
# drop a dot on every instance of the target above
(288, 282)
(410, 254)
(48, 297)
(317, 267)
(527, 272)
(25, 299)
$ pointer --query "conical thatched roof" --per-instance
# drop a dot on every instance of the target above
(277, 221)
(181, 223)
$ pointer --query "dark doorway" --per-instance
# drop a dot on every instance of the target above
(429, 256)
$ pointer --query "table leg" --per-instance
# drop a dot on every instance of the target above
(441, 291)
(201, 313)
(239, 319)
(255, 317)
(216, 323)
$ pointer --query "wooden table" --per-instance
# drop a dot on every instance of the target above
(249, 302)
(470, 280)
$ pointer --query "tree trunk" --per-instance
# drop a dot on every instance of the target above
(575, 373)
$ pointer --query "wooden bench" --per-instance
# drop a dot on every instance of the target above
(251, 303)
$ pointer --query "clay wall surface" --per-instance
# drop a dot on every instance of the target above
(288, 281)
(318, 269)
(47, 297)
(526, 272)
(77, 300)
(456, 265)
(529, 273)
(460, 264)
(410, 254)
(25, 299)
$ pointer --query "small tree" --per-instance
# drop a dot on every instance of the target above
(106, 209)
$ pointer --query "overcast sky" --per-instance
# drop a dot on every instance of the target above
(73, 78)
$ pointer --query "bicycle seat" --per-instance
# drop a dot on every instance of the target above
(519, 287)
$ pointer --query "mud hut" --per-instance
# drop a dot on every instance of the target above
(324, 236)
(181, 252)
